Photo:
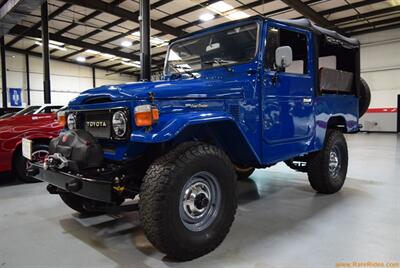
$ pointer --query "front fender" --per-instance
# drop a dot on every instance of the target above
(172, 125)
(218, 127)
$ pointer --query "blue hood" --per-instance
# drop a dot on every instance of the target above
(174, 89)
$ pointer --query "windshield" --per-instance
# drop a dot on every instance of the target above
(235, 45)
(28, 110)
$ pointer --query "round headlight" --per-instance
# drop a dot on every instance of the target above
(71, 122)
(119, 123)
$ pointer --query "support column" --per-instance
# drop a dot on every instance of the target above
(145, 54)
(28, 80)
(3, 71)
(45, 53)
(94, 76)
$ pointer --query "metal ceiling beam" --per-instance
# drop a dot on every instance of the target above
(372, 24)
(32, 53)
(349, 6)
(18, 29)
(377, 29)
(217, 16)
(367, 14)
(37, 25)
(119, 36)
(309, 13)
(13, 11)
(124, 14)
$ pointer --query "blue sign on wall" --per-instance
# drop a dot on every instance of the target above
(15, 97)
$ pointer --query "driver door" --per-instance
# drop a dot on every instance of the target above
(288, 95)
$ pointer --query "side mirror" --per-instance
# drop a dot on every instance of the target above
(283, 57)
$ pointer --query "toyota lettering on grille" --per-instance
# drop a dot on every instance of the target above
(97, 124)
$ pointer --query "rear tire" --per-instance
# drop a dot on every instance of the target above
(21, 163)
(188, 200)
(327, 169)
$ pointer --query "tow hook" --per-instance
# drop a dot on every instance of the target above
(73, 186)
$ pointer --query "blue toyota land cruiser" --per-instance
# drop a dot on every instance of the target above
(236, 97)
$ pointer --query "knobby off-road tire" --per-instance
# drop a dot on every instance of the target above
(297, 165)
(365, 97)
(243, 173)
(193, 180)
(21, 163)
(327, 169)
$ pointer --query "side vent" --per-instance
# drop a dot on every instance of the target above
(234, 110)
(100, 99)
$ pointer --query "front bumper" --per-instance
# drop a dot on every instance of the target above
(96, 189)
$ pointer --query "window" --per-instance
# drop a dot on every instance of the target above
(297, 41)
(232, 46)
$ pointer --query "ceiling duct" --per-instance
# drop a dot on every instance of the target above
(13, 11)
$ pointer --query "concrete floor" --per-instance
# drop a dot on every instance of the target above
(280, 222)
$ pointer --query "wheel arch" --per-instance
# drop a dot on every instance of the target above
(337, 122)
(222, 133)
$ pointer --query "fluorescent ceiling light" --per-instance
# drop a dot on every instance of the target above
(220, 7)
(80, 59)
(126, 43)
(125, 59)
(133, 64)
(52, 46)
(206, 17)
(91, 51)
(51, 42)
(109, 56)
(237, 15)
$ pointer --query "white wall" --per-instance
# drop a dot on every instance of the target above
(380, 66)
(67, 79)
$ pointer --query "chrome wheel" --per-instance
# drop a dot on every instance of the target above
(200, 201)
(334, 161)
(37, 157)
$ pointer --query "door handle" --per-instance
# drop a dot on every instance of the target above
(307, 100)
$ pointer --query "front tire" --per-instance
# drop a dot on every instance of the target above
(188, 200)
(327, 169)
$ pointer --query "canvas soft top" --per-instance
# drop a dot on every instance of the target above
(305, 23)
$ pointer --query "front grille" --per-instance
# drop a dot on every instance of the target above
(97, 123)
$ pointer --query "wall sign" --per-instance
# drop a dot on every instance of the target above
(15, 97)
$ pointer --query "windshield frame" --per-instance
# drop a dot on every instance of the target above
(206, 32)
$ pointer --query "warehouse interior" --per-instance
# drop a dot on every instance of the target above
(52, 51)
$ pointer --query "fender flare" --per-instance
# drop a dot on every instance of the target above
(174, 125)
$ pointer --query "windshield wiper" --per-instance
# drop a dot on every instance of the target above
(185, 70)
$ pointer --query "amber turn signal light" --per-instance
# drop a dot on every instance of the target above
(146, 115)
(62, 120)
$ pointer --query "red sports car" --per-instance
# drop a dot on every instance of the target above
(37, 123)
